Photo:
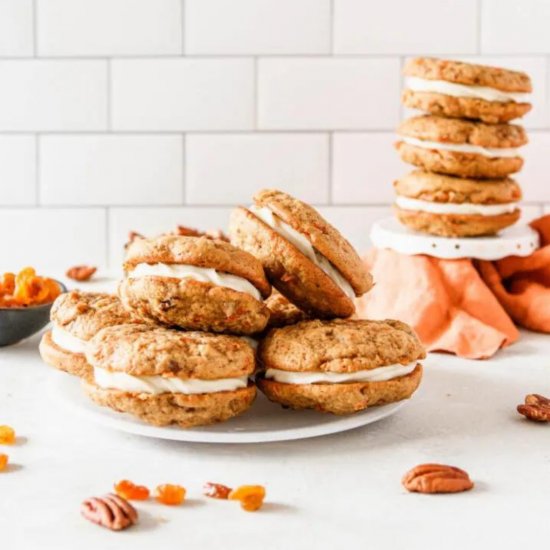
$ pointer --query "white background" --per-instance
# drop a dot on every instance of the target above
(140, 114)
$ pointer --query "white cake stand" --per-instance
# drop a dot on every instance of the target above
(519, 240)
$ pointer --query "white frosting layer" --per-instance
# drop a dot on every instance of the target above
(304, 246)
(161, 384)
(67, 341)
(202, 274)
(379, 374)
(462, 90)
(407, 203)
(462, 148)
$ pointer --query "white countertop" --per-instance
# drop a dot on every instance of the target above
(340, 491)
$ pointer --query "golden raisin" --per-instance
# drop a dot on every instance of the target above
(172, 495)
(216, 490)
(7, 435)
(251, 497)
(3, 462)
(130, 491)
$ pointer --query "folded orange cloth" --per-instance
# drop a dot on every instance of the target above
(445, 301)
(462, 306)
(522, 285)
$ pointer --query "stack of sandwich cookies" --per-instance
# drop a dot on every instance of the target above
(465, 90)
(340, 366)
(76, 317)
(304, 257)
(196, 284)
(164, 376)
(455, 207)
(464, 146)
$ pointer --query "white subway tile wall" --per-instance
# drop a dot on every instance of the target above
(111, 169)
(226, 168)
(109, 27)
(119, 115)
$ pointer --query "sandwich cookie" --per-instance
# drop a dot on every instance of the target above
(76, 317)
(456, 207)
(304, 257)
(461, 147)
(164, 376)
(464, 90)
(195, 283)
(340, 366)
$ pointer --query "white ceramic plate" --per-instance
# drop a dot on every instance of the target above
(519, 240)
(265, 421)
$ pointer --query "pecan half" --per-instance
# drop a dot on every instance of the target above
(110, 511)
(81, 272)
(436, 478)
(216, 490)
(215, 234)
(536, 408)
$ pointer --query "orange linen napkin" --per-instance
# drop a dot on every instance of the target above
(522, 285)
(445, 301)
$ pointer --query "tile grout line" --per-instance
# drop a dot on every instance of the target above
(366, 56)
(479, 28)
(255, 95)
(401, 88)
(109, 97)
(331, 27)
(37, 141)
(107, 211)
(330, 168)
(182, 7)
(34, 29)
(536, 203)
(184, 169)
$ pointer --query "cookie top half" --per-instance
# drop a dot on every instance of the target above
(199, 252)
(459, 131)
(428, 186)
(141, 350)
(469, 74)
(322, 235)
(83, 314)
(340, 346)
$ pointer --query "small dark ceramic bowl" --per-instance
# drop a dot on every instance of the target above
(18, 323)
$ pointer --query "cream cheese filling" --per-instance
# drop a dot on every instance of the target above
(114, 380)
(463, 90)
(379, 374)
(462, 148)
(304, 246)
(67, 341)
(201, 274)
(407, 203)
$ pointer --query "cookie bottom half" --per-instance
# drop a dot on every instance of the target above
(491, 112)
(62, 359)
(455, 225)
(341, 399)
(184, 410)
(465, 165)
